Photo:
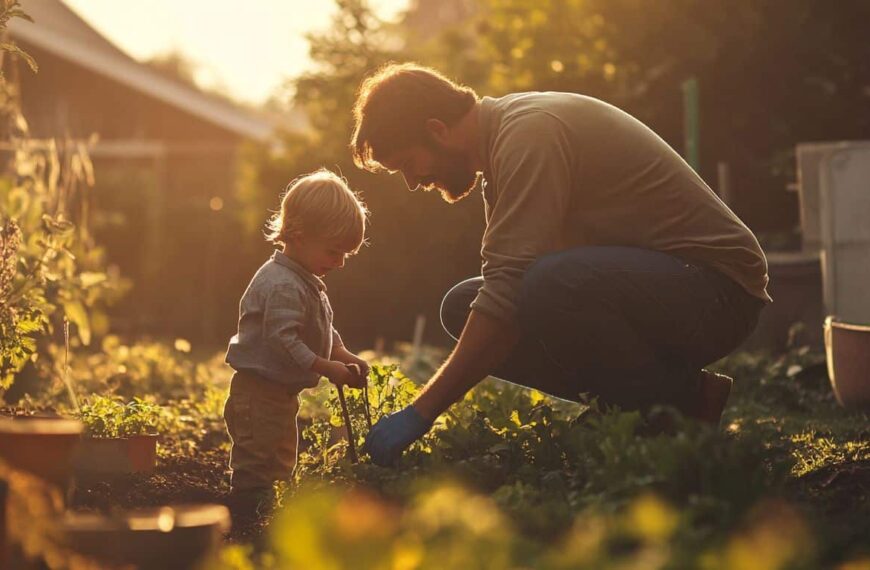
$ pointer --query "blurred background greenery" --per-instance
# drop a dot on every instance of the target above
(180, 206)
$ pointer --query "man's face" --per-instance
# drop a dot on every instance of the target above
(435, 167)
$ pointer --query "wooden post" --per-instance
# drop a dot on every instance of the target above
(417, 342)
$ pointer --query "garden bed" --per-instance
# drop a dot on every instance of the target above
(545, 475)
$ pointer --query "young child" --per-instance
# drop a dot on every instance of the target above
(286, 340)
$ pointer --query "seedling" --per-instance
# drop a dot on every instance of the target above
(104, 417)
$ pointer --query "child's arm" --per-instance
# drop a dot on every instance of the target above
(283, 318)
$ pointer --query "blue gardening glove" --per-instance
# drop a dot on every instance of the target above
(393, 434)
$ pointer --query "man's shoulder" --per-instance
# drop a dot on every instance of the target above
(538, 103)
(525, 116)
(527, 122)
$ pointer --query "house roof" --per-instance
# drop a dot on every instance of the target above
(63, 33)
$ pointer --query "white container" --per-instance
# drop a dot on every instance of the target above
(809, 162)
(844, 207)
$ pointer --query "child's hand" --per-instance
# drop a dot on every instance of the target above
(343, 355)
(342, 375)
(355, 368)
(363, 366)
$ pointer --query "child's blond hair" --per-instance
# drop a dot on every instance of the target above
(319, 205)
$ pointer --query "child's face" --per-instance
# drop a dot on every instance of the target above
(318, 255)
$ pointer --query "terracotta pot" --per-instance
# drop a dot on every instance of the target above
(4, 547)
(848, 351)
(160, 538)
(136, 454)
(43, 447)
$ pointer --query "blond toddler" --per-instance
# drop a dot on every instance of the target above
(286, 339)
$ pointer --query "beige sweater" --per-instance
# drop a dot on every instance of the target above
(565, 170)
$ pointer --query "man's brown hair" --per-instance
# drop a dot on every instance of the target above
(393, 105)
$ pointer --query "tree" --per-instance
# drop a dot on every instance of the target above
(772, 73)
(176, 66)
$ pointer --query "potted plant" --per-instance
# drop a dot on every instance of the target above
(119, 437)
(848, 352)
(41, 445)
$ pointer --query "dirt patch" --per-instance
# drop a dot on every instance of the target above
(176, 480)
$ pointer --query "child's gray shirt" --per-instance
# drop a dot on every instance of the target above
(285, 321)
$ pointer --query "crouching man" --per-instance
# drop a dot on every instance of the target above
(610, 269)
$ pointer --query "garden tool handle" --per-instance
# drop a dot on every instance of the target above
(351, 440)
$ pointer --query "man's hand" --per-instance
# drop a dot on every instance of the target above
(484, 344)
(393, 434)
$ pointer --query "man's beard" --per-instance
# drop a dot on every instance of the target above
(454, 177)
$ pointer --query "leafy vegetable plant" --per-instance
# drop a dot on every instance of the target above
(105, 417)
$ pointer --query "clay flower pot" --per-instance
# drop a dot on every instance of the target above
(43, 447)
(848, 351)
(165, 537)
(116, 455)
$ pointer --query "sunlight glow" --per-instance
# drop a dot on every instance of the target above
(246, 50)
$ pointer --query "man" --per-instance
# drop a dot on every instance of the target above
(610, 269)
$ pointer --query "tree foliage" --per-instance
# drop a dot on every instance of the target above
(771, 73)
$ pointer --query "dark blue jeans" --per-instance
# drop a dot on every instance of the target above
(630, 326)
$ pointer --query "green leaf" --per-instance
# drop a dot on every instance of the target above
(57, 225)
(78, 315)
(91, 278)
(12, 48)
(29, 325)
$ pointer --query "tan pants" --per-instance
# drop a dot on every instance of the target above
(261, 420)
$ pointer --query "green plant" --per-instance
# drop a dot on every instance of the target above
(51, 270)
(18, 321)
(12, 9)
(164, 371)
(515, 479)
(109, 417)
(389, 391)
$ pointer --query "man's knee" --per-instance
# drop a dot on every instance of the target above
(535, 299)
(456, 305)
